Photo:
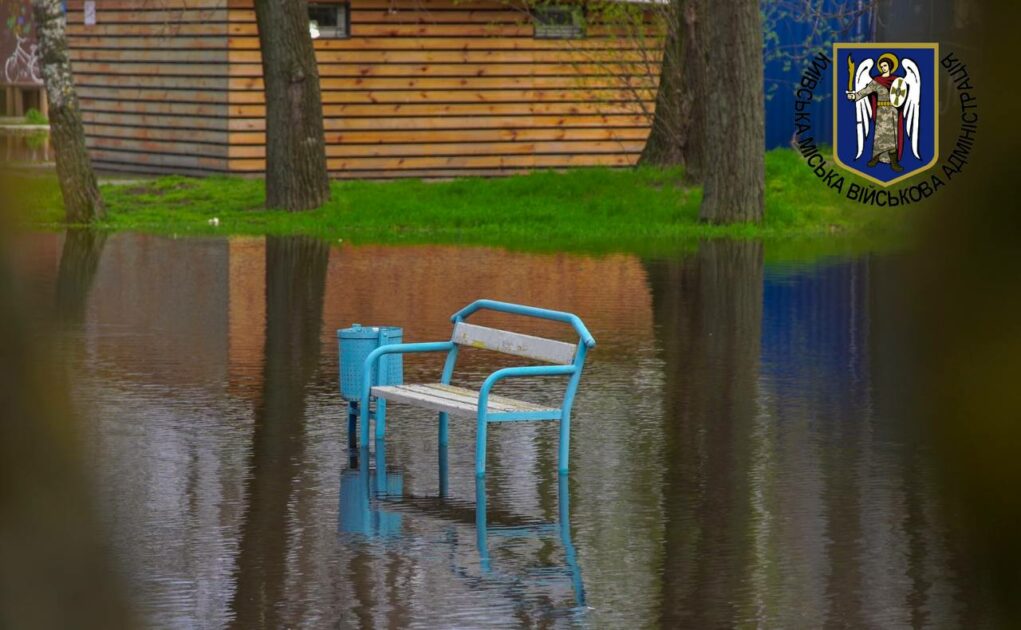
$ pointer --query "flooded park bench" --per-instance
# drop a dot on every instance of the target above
(566, 359)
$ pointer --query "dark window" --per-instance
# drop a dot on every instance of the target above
(329, 20)
(559, 23)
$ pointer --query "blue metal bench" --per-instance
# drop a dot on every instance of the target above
(447, 399)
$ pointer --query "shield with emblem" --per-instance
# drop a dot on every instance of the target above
(898, 92)
(885, 125)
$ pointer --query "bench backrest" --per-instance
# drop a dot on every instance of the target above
(518, 344)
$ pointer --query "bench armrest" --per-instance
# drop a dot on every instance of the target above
(512, 372)
(397, 348)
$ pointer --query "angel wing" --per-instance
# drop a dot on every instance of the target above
(913, 79)
(863, 106)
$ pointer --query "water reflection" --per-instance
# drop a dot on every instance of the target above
(708, 311)
(790, 497)
(373, 505)
(542, 576)
(19, 146)
(740, 453)
(361, 488)
(79, 261)
(295, 283)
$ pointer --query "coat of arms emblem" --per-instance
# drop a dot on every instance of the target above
(885, 126)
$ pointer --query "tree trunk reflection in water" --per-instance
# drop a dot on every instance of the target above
(709, 311)
(79, 261)
(295, 285)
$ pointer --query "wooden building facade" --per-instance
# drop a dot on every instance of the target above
(410, 88)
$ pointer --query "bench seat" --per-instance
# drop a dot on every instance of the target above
(459, 401)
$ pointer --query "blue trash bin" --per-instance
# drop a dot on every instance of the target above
(355, 345)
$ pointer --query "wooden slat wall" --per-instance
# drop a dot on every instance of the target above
(424, 88)
(444, 88)
(153, 79)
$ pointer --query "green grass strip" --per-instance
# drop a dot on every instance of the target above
(641, 210)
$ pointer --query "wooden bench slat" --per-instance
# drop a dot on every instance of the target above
(433, 391)
(459, 401)
(518, 344)
(398, 393)
(461, 394)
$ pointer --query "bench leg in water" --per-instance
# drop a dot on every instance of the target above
(565, 441)
(444, 431)
(481, 537)
(381, 486)
(364, 412)
(480, 446)
(380, 418)
(444, 473)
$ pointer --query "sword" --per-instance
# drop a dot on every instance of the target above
(861, 131)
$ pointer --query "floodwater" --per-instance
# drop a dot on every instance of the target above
(740, 452)
(25, 146)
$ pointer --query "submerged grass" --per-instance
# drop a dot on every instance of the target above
(641, 210)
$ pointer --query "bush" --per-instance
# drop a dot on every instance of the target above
(34, 117)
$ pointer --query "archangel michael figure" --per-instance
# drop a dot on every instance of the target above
(892, 107)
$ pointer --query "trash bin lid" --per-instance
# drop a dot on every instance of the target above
(357, 331)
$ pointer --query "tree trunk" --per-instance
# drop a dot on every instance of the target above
(675, 137)
(296, 177)
(82, 201)
(734, 126)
